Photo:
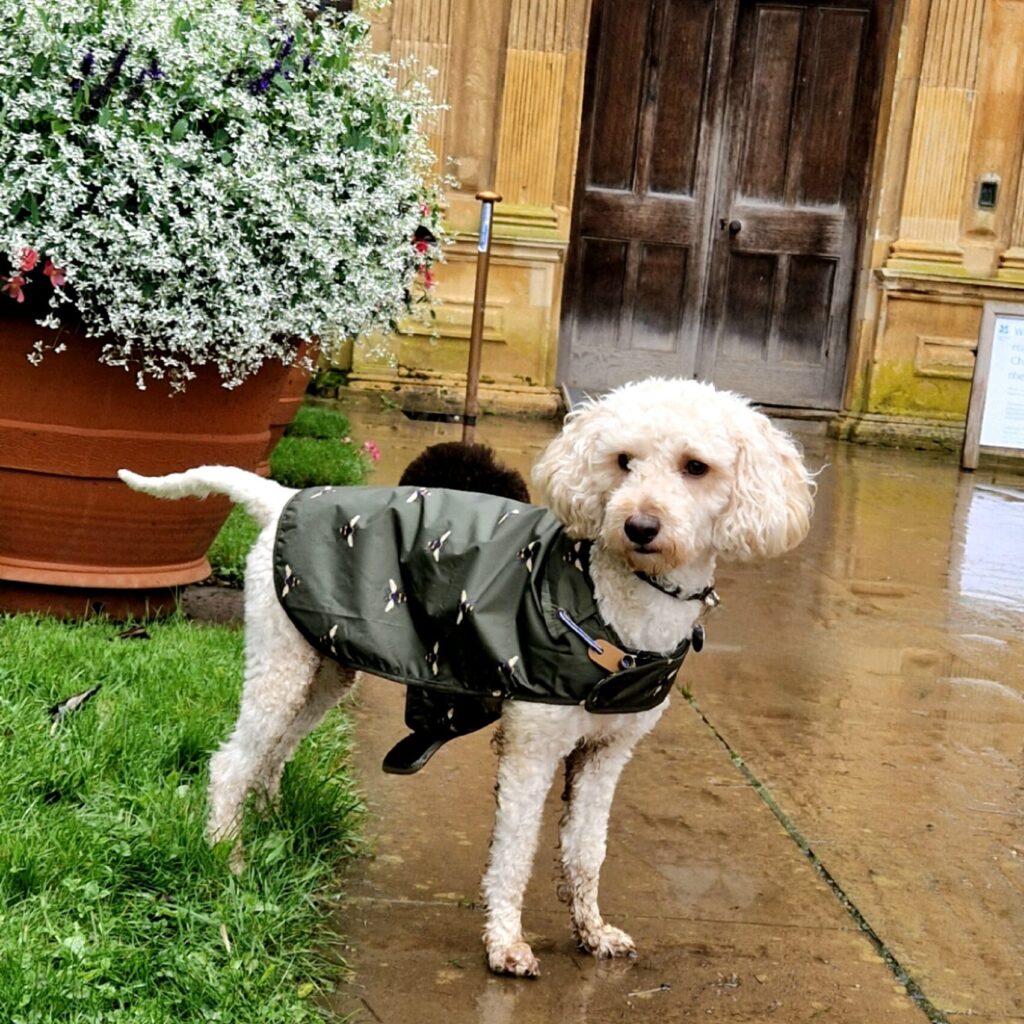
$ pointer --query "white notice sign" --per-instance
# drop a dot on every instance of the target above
(995, 414)
(1002, 423)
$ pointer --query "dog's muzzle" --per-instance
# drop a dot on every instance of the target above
(642, 529)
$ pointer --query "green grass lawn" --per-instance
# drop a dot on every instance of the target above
(112, 906)
(113, 909)
(316, 449)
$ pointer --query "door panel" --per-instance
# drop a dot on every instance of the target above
(618, 97)
(601, 263)
(798, 122)
(686, 33)
(661, 285)
(641, 197)
(766, 145)
(805, 310)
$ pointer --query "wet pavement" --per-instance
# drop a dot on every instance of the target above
(830, 829)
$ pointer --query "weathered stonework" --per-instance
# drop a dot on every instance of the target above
(954, 117)
(951, 114)
(517, 64)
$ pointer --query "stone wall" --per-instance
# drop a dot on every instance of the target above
(511, 73)
(953, 117)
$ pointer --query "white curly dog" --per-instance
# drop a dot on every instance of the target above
(664, 477)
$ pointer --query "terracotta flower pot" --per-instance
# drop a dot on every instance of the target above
(73, 539)
(293, 393)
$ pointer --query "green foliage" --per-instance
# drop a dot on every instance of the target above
(113, 909)
(209, 180)
(311, 461)
(230, 547)
(318, 421)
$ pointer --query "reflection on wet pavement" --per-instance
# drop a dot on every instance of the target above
(872, 683)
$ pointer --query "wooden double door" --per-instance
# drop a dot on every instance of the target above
(721, 181)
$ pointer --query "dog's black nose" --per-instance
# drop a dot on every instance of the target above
(642, 529)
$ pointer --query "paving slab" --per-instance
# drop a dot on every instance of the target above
(887, 719)
(730, 918)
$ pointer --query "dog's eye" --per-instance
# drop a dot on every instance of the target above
(695, 468)
(624, 461)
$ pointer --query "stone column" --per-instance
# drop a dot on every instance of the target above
(540, 113)
(930, 226)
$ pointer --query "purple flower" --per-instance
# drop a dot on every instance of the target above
(115, 68)
(87, 65)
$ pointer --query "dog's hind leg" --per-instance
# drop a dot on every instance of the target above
(280, 674)
(530, 745)
(592, 772)
(248, 761)
(331, 682)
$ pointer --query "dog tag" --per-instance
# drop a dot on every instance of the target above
(697, 637)
(610, 658)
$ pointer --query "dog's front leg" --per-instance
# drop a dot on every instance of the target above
(592, 772)
(530, 744)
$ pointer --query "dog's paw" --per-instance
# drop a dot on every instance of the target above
(607, 942)
(516, 959)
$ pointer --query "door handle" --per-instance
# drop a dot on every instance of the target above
(734, 226)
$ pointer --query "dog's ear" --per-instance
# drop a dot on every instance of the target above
(773, 494)
(566, 475)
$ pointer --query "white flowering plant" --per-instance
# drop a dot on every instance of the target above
(206, 181)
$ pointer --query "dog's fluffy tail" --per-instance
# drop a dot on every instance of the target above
(261, 498)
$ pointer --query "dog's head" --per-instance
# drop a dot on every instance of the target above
(666, 472)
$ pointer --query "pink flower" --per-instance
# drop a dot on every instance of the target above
(55, 274)
(372, 450)
(29, 259)
(424, 209)
(13, 286)
(428, 279)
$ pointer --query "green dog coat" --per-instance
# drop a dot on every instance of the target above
(470, 597)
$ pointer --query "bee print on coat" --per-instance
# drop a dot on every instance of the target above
(329, 638)
(291, 581)
(417, 495)
(348, 531)
(505, 515)
(574, 556)
(465, 608)
(435, 546)
(432, 657)
(395, 596)
(525, 555)
(507, 671)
